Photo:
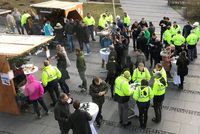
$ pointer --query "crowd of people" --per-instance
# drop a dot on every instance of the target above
(125, 66)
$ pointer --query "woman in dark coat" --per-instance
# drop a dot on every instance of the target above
(62, 65)
(182, 68)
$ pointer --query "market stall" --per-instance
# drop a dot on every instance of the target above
(12, 46)
(58, 10)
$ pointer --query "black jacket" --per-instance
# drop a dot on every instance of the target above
(69, 28)
(79, 122)
(141, 42)
(95, 89)
(61, 114)
(62, 65)
(186, 30)
(182, 68)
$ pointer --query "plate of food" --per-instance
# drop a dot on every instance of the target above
(29, 68)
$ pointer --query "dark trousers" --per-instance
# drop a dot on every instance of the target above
(35, 105)
(195, 52)
(52, 88)
(134, 43)
(182, 80)
(143, 113)
(91, 30)
(80, 43)
(111, 80)
(63, 85)
(191, 53)
(157, 103)
(151, 58)
(161, 35)
(146, 52)
(99, 116)
(20, 28)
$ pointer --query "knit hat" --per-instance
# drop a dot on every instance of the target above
(127, 74)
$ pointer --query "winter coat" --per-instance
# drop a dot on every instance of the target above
(33, 89)
(10, 20)
(141, 42)
(79, 122)
(95, 89)
(61, 114)
(62, 65)
(80, 62)
(85, 35)
(58, 34)
(136, 30)
(182, 67)
(69, 28)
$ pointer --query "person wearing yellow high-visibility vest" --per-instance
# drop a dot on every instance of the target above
(143, 94)
(102, 23)
(167, 36)
(192, 41)
(122, 95)
(50, 76)
(160, 68)
(126, 20)
(90, 23)
(159, 87)
(178, 41)
(174, 28)
(140, 73)
(109, 17)
(196, 30)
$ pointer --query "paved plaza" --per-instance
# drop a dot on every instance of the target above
(181, 109)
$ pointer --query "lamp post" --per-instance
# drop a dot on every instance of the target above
(113, 2)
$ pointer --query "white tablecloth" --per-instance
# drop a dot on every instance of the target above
(93, 110)
(176, 78)
(104, 54)
(134, 108)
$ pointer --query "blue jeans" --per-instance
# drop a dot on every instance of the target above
(70, 42)
(91, 30)
(20, 28)
(87, 46)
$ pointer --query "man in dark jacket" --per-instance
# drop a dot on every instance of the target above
(69, 31)
(98, 89)
(62, 112)
(187, 29)
(141, 42)
(79, 120)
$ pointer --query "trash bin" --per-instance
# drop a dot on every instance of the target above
(184, 12)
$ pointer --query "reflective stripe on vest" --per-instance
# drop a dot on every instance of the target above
(52, 77)
(142, 96)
